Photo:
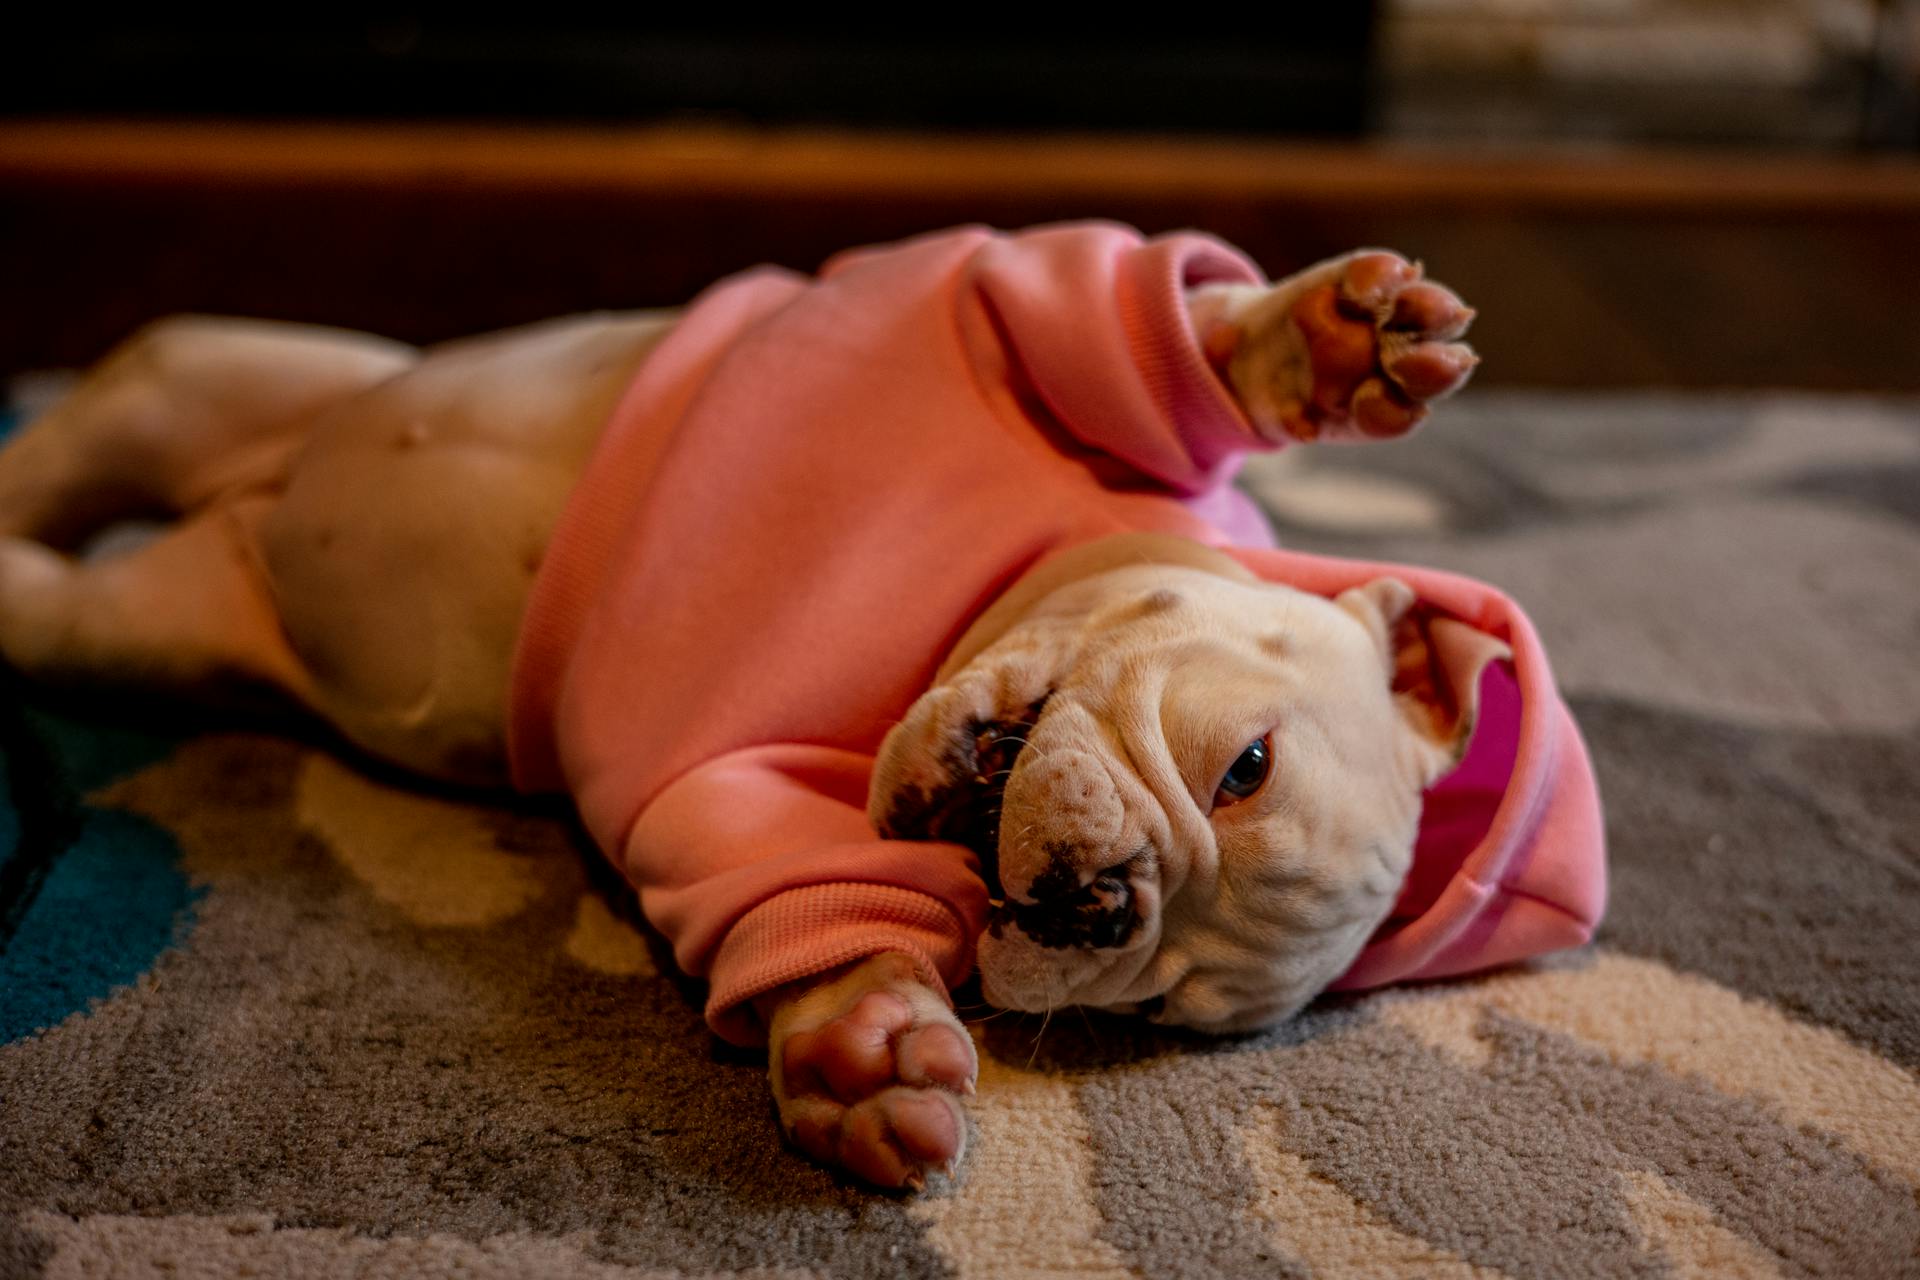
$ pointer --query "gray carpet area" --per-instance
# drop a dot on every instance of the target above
(268, 1015)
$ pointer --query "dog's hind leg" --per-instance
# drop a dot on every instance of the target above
(193, 421)
(189, 409)
(188, 611)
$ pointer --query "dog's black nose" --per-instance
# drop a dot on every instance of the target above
(1064, 914)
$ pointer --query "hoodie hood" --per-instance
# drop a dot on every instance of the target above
(1510, 860)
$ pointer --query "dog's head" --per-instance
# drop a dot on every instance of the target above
(1194, 794)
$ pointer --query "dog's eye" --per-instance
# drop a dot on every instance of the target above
(1244, 775)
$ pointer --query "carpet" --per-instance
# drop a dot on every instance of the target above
(264, 1013)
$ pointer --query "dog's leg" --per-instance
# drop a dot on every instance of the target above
(868, 1067)
(187, 410)
(189, 610)
(1353, 348)
(184, 422)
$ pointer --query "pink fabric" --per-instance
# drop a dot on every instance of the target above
(740, 599)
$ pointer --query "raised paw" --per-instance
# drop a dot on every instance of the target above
(868, 1071)
(1354, 348)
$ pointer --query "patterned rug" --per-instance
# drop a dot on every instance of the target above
(264, 1014)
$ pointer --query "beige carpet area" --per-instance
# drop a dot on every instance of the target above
(264, 1014)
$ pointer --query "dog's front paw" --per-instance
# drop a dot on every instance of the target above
(1354, 348)
(868, 1070)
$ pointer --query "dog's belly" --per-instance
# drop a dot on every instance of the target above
(403, 551)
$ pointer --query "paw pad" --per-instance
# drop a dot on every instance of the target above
(1380, 346)
(871, 1076)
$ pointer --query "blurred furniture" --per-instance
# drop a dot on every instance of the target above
(1787, 74)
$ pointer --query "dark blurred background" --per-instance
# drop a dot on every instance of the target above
(1635, 192)
(1309, 79)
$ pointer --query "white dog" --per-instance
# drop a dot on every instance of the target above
(866, 618)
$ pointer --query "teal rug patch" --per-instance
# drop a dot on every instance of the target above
(89, 897)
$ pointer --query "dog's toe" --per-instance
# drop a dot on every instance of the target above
(853, 1055)
(1431, 312)
(938, 1055)
(1374, 279)
(898, 1136)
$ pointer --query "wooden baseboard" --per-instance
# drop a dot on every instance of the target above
(816, 164)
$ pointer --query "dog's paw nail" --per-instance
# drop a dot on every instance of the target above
(916, 1181)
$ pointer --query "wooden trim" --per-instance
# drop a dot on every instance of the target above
(817, 164)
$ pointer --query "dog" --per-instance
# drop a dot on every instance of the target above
(872, 620)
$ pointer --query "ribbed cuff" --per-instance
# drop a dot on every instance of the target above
(808, 931)
(1152, 298)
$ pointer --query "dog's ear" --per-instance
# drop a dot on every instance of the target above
(938, 774)
(1434, 663)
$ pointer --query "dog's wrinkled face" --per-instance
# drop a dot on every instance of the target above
(1193, 795)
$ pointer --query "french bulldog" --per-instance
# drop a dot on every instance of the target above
(1192, 793)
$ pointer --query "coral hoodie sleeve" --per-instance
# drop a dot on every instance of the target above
(1096, 317)
(761, 868)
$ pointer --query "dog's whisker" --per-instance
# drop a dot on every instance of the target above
(1045, 1018)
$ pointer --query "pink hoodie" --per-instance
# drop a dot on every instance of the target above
(740, 600)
